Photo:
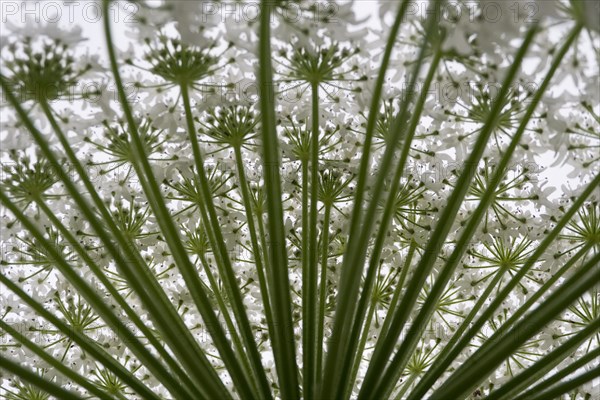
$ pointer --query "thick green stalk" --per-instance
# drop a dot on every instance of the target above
(310, 350)
(442, 363)
(374, 380)
(388, 212)
(29, 376)
(140, 278)
(209, 215)
(556, 391)
(574, 366)
(505, 342)
(101, 308)
(537, 371)
(256, 250)
(82, 341)
(398, 292)
(56, 364)
(323, 290)
(354, 257)
(283, 342)
(131, 314)
(465, 238)
(187, 269)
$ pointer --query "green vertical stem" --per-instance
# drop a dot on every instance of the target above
(233, 332)
(323, 290)
(256, 250)
(353, 262)
(310, 352)
(398, 292)
(284, 347)
(364, 337)
(209, 216)
(305, 263)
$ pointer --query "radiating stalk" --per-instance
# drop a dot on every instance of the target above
(27, 375)
(126, 255)
(284, 347)
(131, 314)
(56, 364)
(353, 262)
(548, 381)
(233, 332)
(364, 337)
(399, 288)
(556, 391)
(505, 342)
(374, 381)
(107, 360)
(323, 290)
(310, 350)
(101, 308)
(474, 221)
(187, 269)
(537, 371)
(387, 217)
(209, 216)
(256, 250)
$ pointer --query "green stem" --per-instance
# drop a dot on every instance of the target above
(405, 386)
(556, 391)
(341, 324)
(375, 380)
(364, 337)
(103, 310)
(453, 260)
(228, 276)
(389, 206)
(398, 292)
(283, 342)
(586, 358)
(56, 364)
(504, 342)
(127, 256)
(305, 256)
(131, 314)
(310, 351)
(323, 290)
(537, 371)
(82, 341)
(225, 312)
(256, 250)
(27, 375)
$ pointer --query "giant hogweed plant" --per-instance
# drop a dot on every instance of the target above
(281, 203)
